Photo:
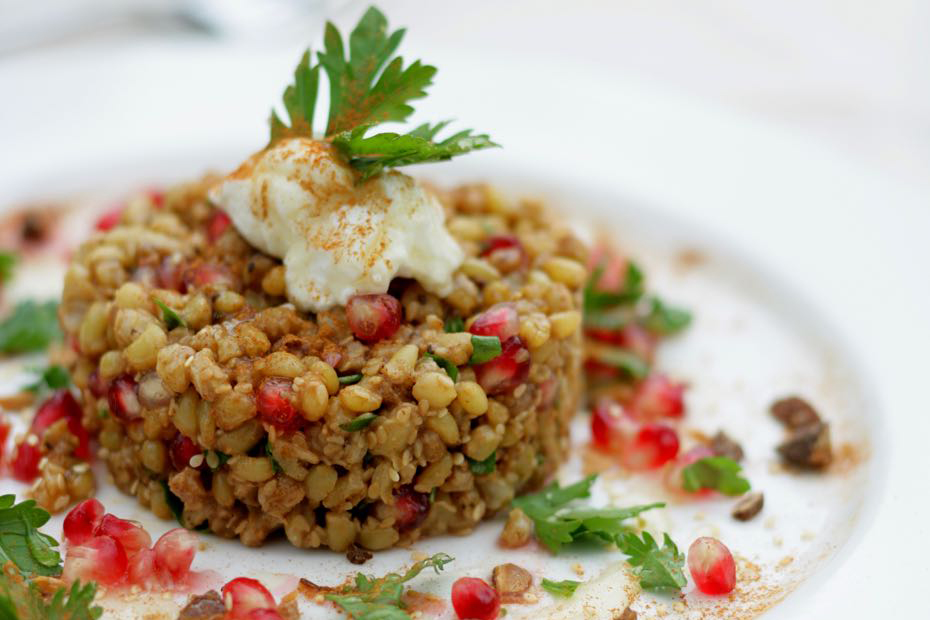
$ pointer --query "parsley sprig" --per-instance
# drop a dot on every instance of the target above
(381, 598)
(32, 326)
(564, 589)
(20, 600)
(720, 473)
(557, 523)
(368, 86)
(659, 568)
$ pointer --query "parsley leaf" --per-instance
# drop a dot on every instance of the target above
(20, 600)
(658, 569)
(172, 319)
(299, 101)
(595, 299)
(50, 378)
(484, 349)
(620, 358)
(374, 153)
(720, 473)
(31, 327)
(381, 598)
(359, 422)
(7, 262)
(565, 588)
(453, 325)
(446, 365)
(482, 468)
(665, 319)
(22, 543)
(556, 523)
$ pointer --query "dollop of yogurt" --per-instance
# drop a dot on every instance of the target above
(300, 202)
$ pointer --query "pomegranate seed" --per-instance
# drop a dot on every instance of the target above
(474, 599)
(217, 225)
(141, 570)
(182, 451)
(653, 446)
(658, 397)
(170, 275)
(275, 402)
(129, 534)
(25, 465)
(410, 507)
(499, 320)
(505, 252)
(157, 197)
(207, 275)
(373, 317)
(60, 405)
(613, 267)
(548, 390)
(82, 520)
(610, 426)
(97, 384)
(597, 370)
(264, 614)
(123, 398)
(174, 552)
(244, 595)
(711, 565)
(506, 371)
(673, 480)
(4, 434)
(99, 559)
(110, 219)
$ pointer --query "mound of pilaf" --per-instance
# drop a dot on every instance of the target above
(248, 416)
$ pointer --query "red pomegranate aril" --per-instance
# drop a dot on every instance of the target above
(174, 552)
(672, 477)
(182, 450)
(244, 595)
(612, 427)
(142, 571)
(275, 402)
(157, 197)
(123, 398)
(82, 520)
(99, 559)
(98, 385)
(25, 464)
(613, 267)
(264, 614)
(63, 405)
(373, 317)
(4, 435)
(504, 251)
(657, 396)
(653, 446)
(110, 219)
(499, 320)
(712, 566)
(205, 275)
(129, 534)
(474, 599)
(170, 275)
(506, 371)
(410, 508)
(217, 225)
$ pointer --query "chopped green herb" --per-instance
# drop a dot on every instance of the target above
(482, 468)
(557, 524)
(432, 495)
(623, 359)
(22, 600)
(484, 349)
(50, 378)
(595, 299)
(658, 569)
(221, 458)
(175, 505)
(565, 588)
(611, 319)
(369, 87)
(446, 365)
(359, 422)
(381, 598)
(665, 319)
(275, 465)
(7, 262)
(172, 319)
(104, 413)
(720, 473)
(454, 325)
(32, 326)
(350, 379)
(22, 543)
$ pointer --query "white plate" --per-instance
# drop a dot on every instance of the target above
(851, 319)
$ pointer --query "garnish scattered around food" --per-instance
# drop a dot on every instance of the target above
(32, 326)
(719, 473)
(22, 543)
(565, 588)
(22, 600)
(172, 319)
(381, 598)
(658, 569)
(556, 523)
(369, 87)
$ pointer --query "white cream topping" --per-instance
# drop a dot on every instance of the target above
(298, 201)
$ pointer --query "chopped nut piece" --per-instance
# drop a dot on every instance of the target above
(511, 581)
(808, 446)
(357, 555)
(722, 445)
(517, 530)
(207, 606)
(748, 506)
(628, 614)
(794, 412)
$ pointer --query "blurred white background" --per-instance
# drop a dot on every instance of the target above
(854, 75)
